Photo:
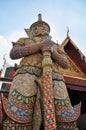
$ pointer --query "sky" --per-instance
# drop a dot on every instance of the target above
(16, 15)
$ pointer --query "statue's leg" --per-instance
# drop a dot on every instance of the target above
(9, 124)
(21, 102)
(37, 118)
(66, 115)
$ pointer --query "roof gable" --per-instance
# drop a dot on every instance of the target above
(74, 54)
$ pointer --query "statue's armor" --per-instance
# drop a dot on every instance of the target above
(25, 94)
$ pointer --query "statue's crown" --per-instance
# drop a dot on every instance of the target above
(38, 28)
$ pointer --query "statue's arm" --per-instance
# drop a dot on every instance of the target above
(19, 51)
(60, 57)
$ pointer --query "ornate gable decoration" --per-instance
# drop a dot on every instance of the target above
(76, 58)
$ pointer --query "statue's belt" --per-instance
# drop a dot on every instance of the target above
(37, 71)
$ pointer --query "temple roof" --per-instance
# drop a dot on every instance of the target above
(74, 53)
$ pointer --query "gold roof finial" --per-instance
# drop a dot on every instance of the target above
(39, 17)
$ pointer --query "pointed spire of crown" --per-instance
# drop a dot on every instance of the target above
(39, 17)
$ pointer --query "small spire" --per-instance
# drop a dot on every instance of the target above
(4, 59)
(68, 31)
(39, 17)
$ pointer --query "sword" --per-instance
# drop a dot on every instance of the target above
(47, 90)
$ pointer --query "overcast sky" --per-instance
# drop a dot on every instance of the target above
(15, 15)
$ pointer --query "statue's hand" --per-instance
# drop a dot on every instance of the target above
(46, 45)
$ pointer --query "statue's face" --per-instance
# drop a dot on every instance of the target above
(39, 30)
